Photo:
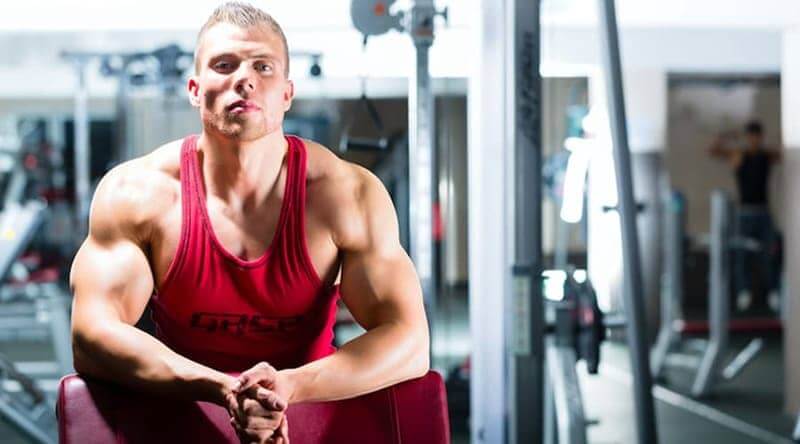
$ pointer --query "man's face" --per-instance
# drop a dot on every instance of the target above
(240, 86)
(754, 139)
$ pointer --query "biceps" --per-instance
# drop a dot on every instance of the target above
(379, 289)
(110, 283)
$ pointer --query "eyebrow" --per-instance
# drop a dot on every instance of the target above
(255, 56)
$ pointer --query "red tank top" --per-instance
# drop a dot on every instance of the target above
(228, 313)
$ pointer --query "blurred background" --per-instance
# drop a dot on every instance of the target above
(87, 85)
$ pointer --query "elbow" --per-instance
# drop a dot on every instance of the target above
(423, 368)
(422, 356)
(82, 344)
(88, 347)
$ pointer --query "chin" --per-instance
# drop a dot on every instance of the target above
(241, 129)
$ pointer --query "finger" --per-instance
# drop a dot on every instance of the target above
(281, 435)
(261, 372)
(284, 430)
(256, 435)
(270, 399)
(232, 404)
(255, 423)
(243, 439)
(255, 408)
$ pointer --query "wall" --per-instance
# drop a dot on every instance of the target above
(698, 110)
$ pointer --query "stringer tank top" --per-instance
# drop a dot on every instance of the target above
(228, 313)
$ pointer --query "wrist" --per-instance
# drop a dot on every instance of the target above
(222, 389)
(292, 381)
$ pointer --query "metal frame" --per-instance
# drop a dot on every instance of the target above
(672, 279)
(504, 159)
(421, 158)
(507, 386)
(719, 304)
(722, 239)
(632, 275)
(523, 124)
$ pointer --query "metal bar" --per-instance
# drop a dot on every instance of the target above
(421, 161)
(22, 423)
(633, 286)
(550, 427)
(672, 288)
(82, 151)
(570, 417)
(719, 304)
(59, 303)
(490, 157)
(523, 123)
(420, 148)
(744, 357)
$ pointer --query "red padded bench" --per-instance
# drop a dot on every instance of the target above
(96, 412)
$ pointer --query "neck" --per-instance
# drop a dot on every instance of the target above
(241, 171)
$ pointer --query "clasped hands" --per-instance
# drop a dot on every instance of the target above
(257, 405)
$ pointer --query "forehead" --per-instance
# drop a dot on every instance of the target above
(227, 38)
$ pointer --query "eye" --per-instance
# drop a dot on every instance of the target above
(263, 67)
(223, 65)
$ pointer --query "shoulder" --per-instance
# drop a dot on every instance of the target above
(348, 196)
(134, 193)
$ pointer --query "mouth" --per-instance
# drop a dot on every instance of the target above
(241, 106)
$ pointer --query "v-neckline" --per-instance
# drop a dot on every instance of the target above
(285, 204)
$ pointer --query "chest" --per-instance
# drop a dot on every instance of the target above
(243, 235)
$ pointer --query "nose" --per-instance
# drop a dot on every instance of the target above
(244, 82)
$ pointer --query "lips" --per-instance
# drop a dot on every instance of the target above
(241, 106)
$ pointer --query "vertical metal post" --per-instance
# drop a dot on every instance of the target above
(489, 160)
(421, 167)
(719, 304)
(672, 280)
(524, 126)
(633, 288)
(420, 149)
(59, 304)
(123, 108)
(82, 151)
(506, 307)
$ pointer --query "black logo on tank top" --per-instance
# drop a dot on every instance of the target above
(243, 324)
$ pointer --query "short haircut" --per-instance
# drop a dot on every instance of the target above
(754, 127)
(245, 16)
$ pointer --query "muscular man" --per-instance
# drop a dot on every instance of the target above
(237, 238)
(751, 164)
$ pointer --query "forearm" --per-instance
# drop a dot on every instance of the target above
(126, 355)
(383, 356)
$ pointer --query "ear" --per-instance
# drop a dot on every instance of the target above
(288, 95)
(193, 88)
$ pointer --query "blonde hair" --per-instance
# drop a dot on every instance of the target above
(243, 15)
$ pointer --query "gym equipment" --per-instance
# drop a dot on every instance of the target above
(349, 143)
(632, 274)
(722, 241)
(91, 411)
(508, 363)
(372, 18)
(29, 408)
(578, 329)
